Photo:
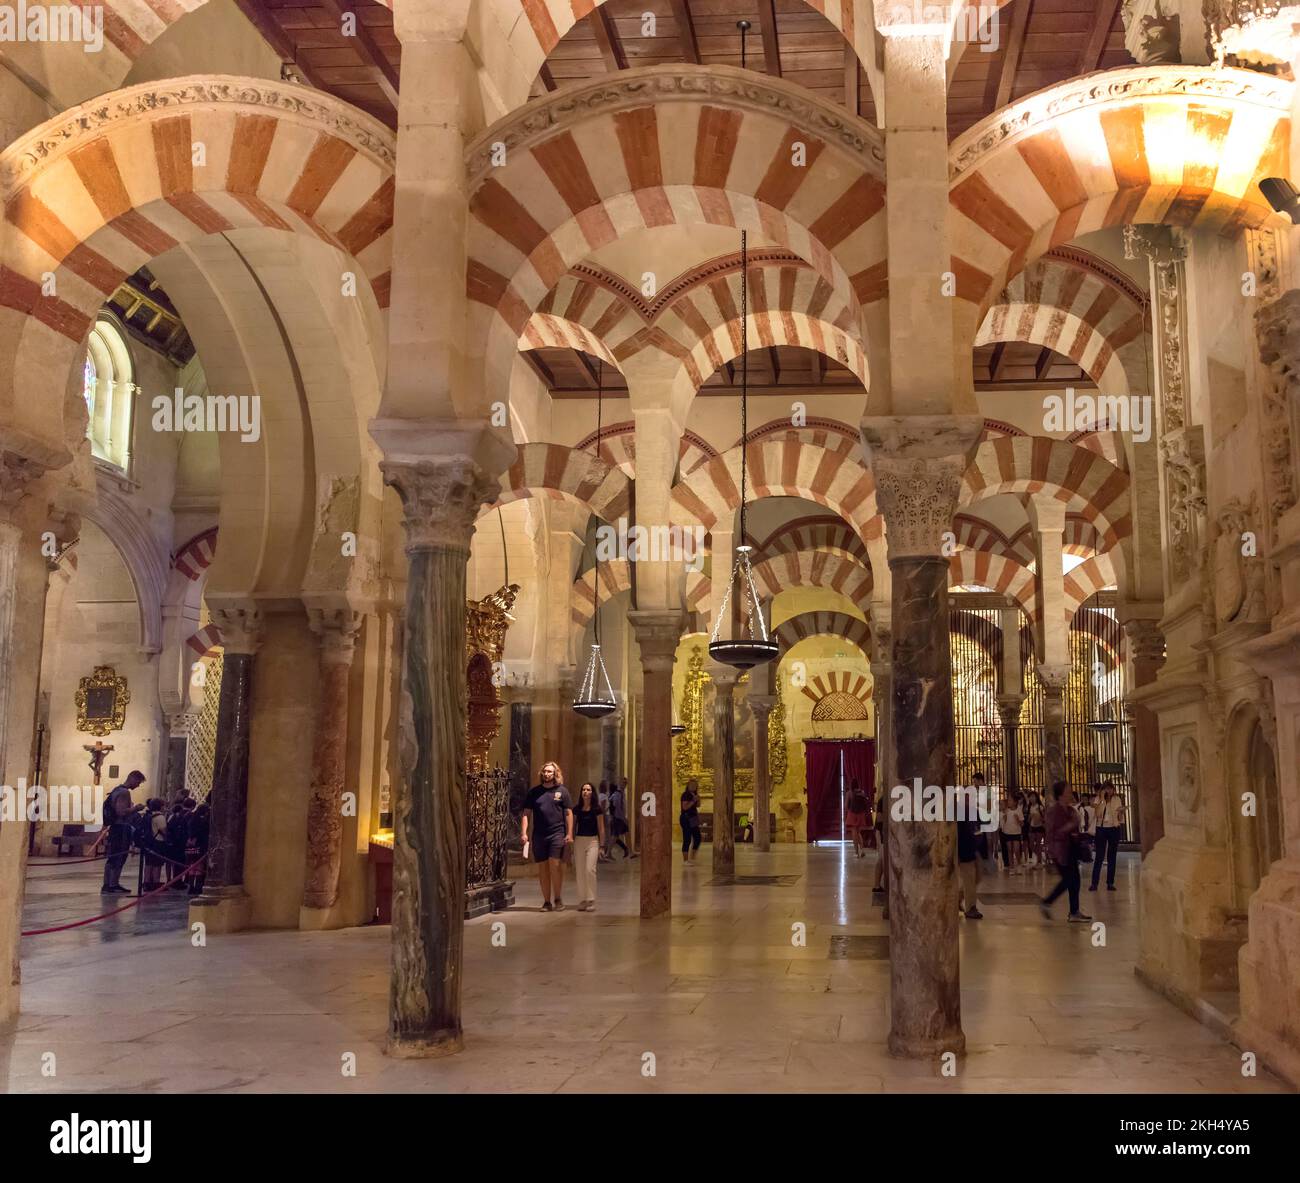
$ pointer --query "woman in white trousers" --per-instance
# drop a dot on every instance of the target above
(588, 840)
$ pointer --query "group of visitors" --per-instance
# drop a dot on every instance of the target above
(1023, 830)
(556, 828)
(175, 837)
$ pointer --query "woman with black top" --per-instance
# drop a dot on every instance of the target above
(690, 821)
(588, 838)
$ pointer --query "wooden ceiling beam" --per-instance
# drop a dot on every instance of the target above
(686, 32)
(540, 368)
(771, 45)
(1042, 364)
(367, 48)
(818, 367)
(1091, 54)
(1015, 43)
(278, 39)
(774, 359)
(588, 369)
(852, 80)
(995, 361)
(548, 79)
(611, 46)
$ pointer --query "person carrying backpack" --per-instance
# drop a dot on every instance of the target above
(119, 818)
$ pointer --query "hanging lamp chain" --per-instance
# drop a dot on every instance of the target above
(744, 373)
(595, 557)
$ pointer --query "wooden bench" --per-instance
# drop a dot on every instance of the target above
(75, 839)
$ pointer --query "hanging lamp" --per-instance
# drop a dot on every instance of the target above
(753, 644)
(595, 697)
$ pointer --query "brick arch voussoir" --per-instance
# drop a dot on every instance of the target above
(556, 470)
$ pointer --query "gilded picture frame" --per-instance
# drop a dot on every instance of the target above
(101, 701)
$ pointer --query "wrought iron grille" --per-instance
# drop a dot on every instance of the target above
(1098, 731)
(201, 748)
(487, 815)
(974, 642)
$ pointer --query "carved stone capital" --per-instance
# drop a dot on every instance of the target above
(1054, 676)
(1161, 244)
(761, 705)
(657, 634)
(240, 627)
(918, 462)
(1145, 640)
(441, 500)
(337, 629)
(1009, 708)
(1152, 32)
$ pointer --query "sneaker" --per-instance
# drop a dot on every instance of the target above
(548, 907)
(582, 905)
(1079, 918)
(591, 905)
(559, 905)
(974, 914)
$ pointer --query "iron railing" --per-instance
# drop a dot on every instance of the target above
(487, 815)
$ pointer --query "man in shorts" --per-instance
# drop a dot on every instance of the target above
(547, 831)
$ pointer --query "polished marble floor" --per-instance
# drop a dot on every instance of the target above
(722, 997)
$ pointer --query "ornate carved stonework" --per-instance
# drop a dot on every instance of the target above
(1023, 117)
(1146, 642)
(917, 499)
(1167, 251)
(17, 475)
(1277, 326)
(1262, 261)
(88, 122)
(1238, 578)
(545, 116)
(1184, 456)
(240, 627)
(1152, 34)
(1187, 779)
(337, 629)
(441, 500)
(1258, 34)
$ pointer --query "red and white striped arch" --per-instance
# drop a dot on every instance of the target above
(974, 533)
(1066, 333)
(1183, 145)
(824, 624)
(615, 577)
(618, 448)
(848, 682)
(554, 470)
(99, 191)
(814, 569)
(824, 472)
(1095, 575)
(544, 330)
(595, 162)
(826, 534)
(1002, 574)
(1090, 485)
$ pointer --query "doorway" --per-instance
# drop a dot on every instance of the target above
(831, 766)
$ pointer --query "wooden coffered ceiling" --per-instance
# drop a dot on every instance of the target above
(1038, 43)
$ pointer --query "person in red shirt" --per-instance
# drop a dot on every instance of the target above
(1062, 836)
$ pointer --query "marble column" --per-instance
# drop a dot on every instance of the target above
(1147, 648)
(440, 500)
(1009, 707)
(761, 705)
(178, 741)
(223, 891)
(882, 695)
(337, 629)
(1054, 678)
(657, 633)
(918, 462)
(724, 768)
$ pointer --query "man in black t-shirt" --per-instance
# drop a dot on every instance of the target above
(118, 814)
(547, 828)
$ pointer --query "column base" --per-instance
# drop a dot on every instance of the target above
(426, 1047)
(926, 1047)
(222, 909)
(491, 897)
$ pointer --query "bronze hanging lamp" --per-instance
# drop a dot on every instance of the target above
(753, 643)
(595, 697)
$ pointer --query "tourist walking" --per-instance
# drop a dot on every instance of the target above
(588, 838)
(1062, 846)
(1011, 832)
(1110, 828)
(968, 868)
(547, 831)
(689, 818)
(617, 818)
(857, 818)
(118, 830)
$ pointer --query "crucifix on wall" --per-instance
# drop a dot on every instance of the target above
(98, 750)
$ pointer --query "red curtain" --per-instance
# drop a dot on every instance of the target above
(822, 761)
(860, 765)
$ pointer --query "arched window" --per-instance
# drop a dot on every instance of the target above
(108, 386)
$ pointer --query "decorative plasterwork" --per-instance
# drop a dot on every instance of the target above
(1109, 86)
(1258, 32)
(1184, 455)
(441, 500)
(544, 116)
(1277, 326)
(1076, 256)
(1167, 251)
(90, 120)
(1152, 31)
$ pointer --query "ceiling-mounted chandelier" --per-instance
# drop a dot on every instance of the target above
(752, 644)
(595, 697)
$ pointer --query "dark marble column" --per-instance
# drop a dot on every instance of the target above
(657, 633)
(337, 628)
(1009, 707)
(761, 705)
(918, 463)
(882, 696)
(240, 636)
(1147, 648)
(441, 499)
(1054, 678)
(724, 769)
